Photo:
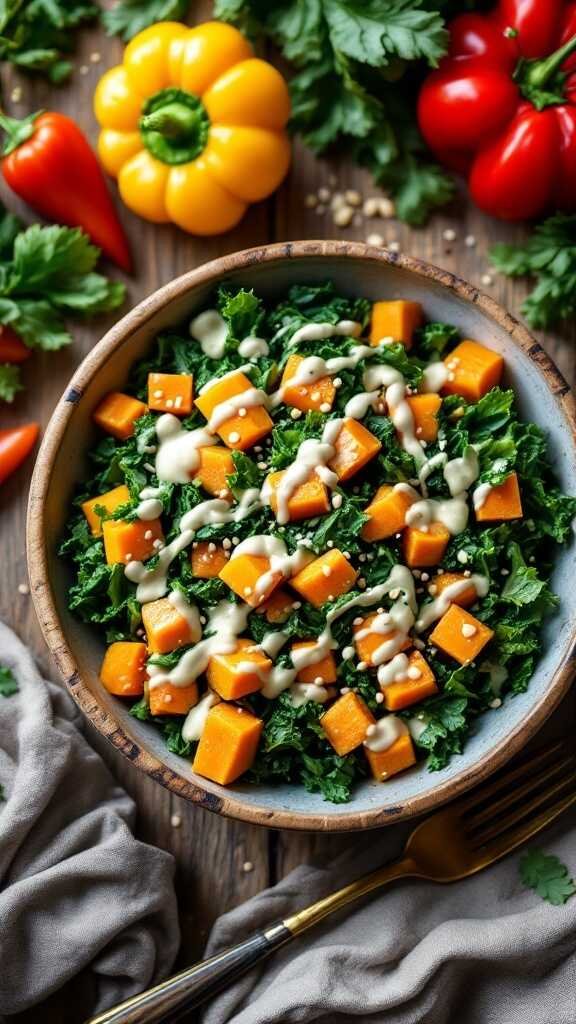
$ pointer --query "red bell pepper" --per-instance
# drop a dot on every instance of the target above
(48, 162)
(16, 443)
(12, 348)
(501, 107)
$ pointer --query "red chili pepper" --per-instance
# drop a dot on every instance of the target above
(12, 348)
(16, 444)
(49, 163)
(501, 107)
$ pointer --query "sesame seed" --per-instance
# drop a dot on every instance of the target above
(23, 588)
(226, 543)
(468, 630)
(84, 69)
(262, 465)
(148, 535)
(462, 556)
(387, 207)
(496, 703)
(296, 414)
(337, 382)
(361, 583)
(242, 412)
(486, 279)
(247, 866)
(326, 570)
(353, 197)
(342, 216)
(470, 241)
(234, 437)
(178, 401)
(371, 206)
(394, 246)
(336, 500)
(370, 730)
(235, 541)
(324, 195)
(158, 394)
(167, 698)
(128, 557)
(16, 94)
(357, 621)
(375, 239)
(95, 57)
(466, 572)
(329, 543)
(449, 235)
(310, 201)
(325, 407)
(169, 403)
(175, 821)
(425, 577)
(247, 591)
(318, 680)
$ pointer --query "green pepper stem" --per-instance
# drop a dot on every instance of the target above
(174, 121)
(539, 72)
(17, 131)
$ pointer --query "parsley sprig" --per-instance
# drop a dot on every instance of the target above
(549, 256)
(548, 876)
(8, 684)
(47, 274)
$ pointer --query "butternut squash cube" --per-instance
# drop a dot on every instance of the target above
(208, 559)
(397, 758)
(306, 501)
(243, 671)
(111, 500)
(240, 432)
(278, 607)
(216, 465)
(465, 598)
(117, 414)
(412, 688)
(228, 743)
(423, 548)
(123, 670)
(366, 646)
(325, 578)
(503, 502)
(306, 397)
(167, 699)
(170, 392)
(355, 446)
(346, 722)
(473, 370)
(166, 629)
(322, 672)
(128, 542)
(243, 574)
(396, 319)
(425, 409)
(387, 512)
(460, 635)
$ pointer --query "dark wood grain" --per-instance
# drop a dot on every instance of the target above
(211, 853)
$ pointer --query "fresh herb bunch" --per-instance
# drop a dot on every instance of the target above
(358, 66)
(549, 256)
(548, 876)
(47, 274)
(36, 35)
(516, 556)
(128, 17)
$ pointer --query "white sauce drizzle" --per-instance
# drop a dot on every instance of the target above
(195, 720)
(187, 611)
(461, 473)
(312, 456)
(251, 347)
(210, 330)
(226, 621)
(451, 512)
(318, 332)
(394, 672)
(281, 563)
(430, 613)
(385, 733)
(480, 495)
(150, 506)
(301, 693)
(417, 726)
(178, 455)
(434, 378)
(498, 675)
(228, 409)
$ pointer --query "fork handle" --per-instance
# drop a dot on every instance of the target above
(169, 1000)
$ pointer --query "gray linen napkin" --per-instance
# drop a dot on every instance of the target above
(482, 951)
(77, 891)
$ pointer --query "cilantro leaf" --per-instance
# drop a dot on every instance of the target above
(547, 875)
(549, 256)
(10, 383)
(37, 35)
(128, 17)
(523, 585)
(8, 684)
(373, 33)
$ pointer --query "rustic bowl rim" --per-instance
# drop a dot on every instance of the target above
(209, 795)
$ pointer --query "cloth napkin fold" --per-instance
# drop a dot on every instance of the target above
(482, 951)
(77, 891)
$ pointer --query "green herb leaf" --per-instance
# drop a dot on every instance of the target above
(35, 35)
(128, 17)
(547, 875)
(10, 383)
(8, 684)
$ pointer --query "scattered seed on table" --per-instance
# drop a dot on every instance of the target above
(324, 195)
(371, 206)
(176, 821)
(394, 246)
(353, 197)
(470, 241)
(486, 279)
(320, 210)
(311, 201)
(375, 239)
(449, 235)
(387, 208)
(23, 588)
(16, 94)
(343, 216)
(84, 69)
(247, 866)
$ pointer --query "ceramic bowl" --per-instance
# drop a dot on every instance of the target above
(357, 270)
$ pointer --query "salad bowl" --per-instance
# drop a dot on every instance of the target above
(356, 269)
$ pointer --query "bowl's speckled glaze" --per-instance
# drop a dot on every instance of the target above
(357, 270)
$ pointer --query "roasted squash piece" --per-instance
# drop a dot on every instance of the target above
(325, 578)
(366, 646)
(397, 319)
(215, 466)
(503, 502)
(127, 542)
(239, 431)
(423, 548)
(167, 699)
(166, 629)
(460, 635)
(170, 392)
(278, 606)
(473, 370)
(228, 743)
(117, 414)
(322, 672)
(386, 512)
(318, 397)
(355, 446)
(208, 559)
(425, 409)
(439, 584)
(412, 688)
(111, 500)
(243, 573)
(306, 501)
(236, 675)
(346, 722)
(397, 758)
(123, 670)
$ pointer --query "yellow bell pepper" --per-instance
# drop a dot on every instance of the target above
(193, 126)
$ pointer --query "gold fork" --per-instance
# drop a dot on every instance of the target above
(465, 837)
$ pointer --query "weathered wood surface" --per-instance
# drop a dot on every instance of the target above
(210, 852)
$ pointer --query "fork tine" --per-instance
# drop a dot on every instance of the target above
(516, 817)
(484, 794)
(474, 820)
(506, 843)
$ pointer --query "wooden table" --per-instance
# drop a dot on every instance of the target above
(220, 863)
